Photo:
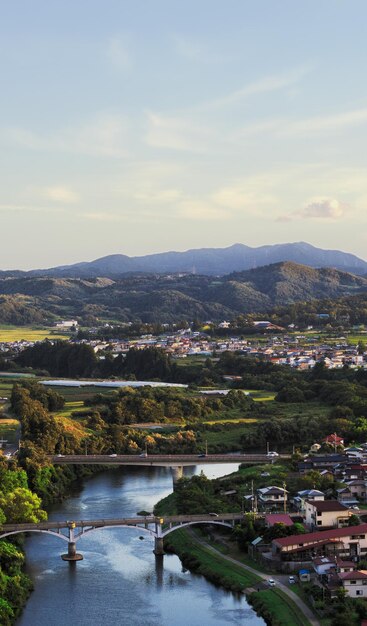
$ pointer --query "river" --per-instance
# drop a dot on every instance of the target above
(118, 583)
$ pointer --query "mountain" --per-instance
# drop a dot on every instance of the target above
(208, 261)
(169, 298)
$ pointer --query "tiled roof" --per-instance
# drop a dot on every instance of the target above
(322, 535)
(324, 506)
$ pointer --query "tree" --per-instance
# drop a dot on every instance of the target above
(21, 505)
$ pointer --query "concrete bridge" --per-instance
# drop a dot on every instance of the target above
(175, 461)
(156, 527)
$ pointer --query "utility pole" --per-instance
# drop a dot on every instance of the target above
(206, 447)
(252, 496)
(285, 497)
(267, 447)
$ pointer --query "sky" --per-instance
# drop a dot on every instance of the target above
(144, 126)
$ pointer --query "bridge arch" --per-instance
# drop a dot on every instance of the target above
(36, 530)
(82, 532)
(173, 528)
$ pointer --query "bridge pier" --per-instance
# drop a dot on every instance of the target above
(72, 554)
(158, 546)
(177, 473)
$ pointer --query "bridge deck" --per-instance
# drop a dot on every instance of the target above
(163, 460)
(125, 521)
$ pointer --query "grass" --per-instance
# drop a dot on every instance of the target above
(73, 427)
(230, 575)
(29, 333)
(282, 608)
(79, 394)
(6, 387)
(182, 542)
(8, 428)
(71, 407)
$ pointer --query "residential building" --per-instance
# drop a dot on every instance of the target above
(348, 542)
(326, 514)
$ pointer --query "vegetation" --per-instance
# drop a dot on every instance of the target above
(156, 299)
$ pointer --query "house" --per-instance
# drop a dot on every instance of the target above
(324, 564)
(320, 462)
(276, 496)
(349, 542)
(358, 488)
(334, 440)
(345, 496)
(326, 514)
(278, 518)
(354, 583)
(312, 495)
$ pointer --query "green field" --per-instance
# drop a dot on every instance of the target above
(282, 608)
(29, 333)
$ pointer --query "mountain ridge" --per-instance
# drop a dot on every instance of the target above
(206, 261)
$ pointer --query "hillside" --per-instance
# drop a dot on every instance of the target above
(155, 298)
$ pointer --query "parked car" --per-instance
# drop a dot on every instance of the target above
(291, 580)
(271, 582)
(264, 474)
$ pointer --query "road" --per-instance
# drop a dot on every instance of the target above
(163, 460)
(280, 581)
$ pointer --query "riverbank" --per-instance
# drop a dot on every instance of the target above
(273, 605)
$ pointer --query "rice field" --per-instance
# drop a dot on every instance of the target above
(29, 333)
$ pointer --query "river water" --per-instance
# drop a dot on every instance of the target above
(119, 583)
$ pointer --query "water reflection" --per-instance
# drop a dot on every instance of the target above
(120, 581)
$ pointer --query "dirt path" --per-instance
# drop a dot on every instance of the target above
(293, 596)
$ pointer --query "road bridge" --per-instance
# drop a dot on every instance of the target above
(175, 461)
(156, 527)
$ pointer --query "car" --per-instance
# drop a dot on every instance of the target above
(272, 453)
(213, 514)
(60, 455)
(143, 455)
(113, 455)
(291, 580)
(264, 474)
(271, 582)
(202, 456)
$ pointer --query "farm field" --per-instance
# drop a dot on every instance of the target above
(8, 428)
(28, 333)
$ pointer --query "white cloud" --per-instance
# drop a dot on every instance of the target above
(266, 84)
(324, 208)
(61, 194)
(327, 122)
(201, 211)
(118, 54)
(282, 127)
(246, 195)
(105, 135)
(177, 133)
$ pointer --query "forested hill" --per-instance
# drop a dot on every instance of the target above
(152, 298)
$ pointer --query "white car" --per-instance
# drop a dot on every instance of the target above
(113, 455)
(271, 582)
(291, 580)
(272, 454)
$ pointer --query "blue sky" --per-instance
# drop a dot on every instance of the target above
(138, 127)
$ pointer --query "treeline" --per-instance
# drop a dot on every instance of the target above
(17, 504)
(157, 404)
